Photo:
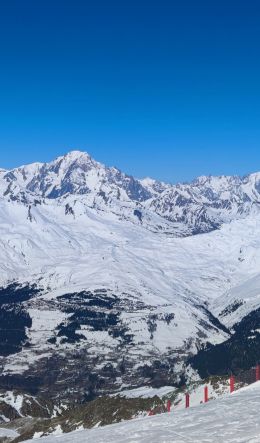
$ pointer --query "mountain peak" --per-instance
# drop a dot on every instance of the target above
(72, 161)
(74, 156)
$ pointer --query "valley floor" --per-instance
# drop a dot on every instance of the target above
(232, 419)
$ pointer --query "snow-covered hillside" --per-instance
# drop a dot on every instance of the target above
(231, 419)
(101, 287)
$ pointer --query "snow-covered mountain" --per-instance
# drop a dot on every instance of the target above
(181, 209)
(103, 286)
(208, 202)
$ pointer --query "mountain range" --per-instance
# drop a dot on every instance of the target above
(109, 282)
(180, 210)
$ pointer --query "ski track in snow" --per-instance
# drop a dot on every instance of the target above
(231, 419)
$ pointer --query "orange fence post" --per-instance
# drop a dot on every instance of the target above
(187, 400)
(169, 406)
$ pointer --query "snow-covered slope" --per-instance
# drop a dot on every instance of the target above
(112, 288)
(231, 419)
(101, 284)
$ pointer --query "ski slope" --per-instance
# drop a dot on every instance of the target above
(231, 419)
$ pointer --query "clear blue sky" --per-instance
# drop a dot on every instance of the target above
(169, 89)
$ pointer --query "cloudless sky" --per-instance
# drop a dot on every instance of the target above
(169, 89)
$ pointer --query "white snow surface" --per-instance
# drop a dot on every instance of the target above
(8, 433)
(145, 392)
(231, 419)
